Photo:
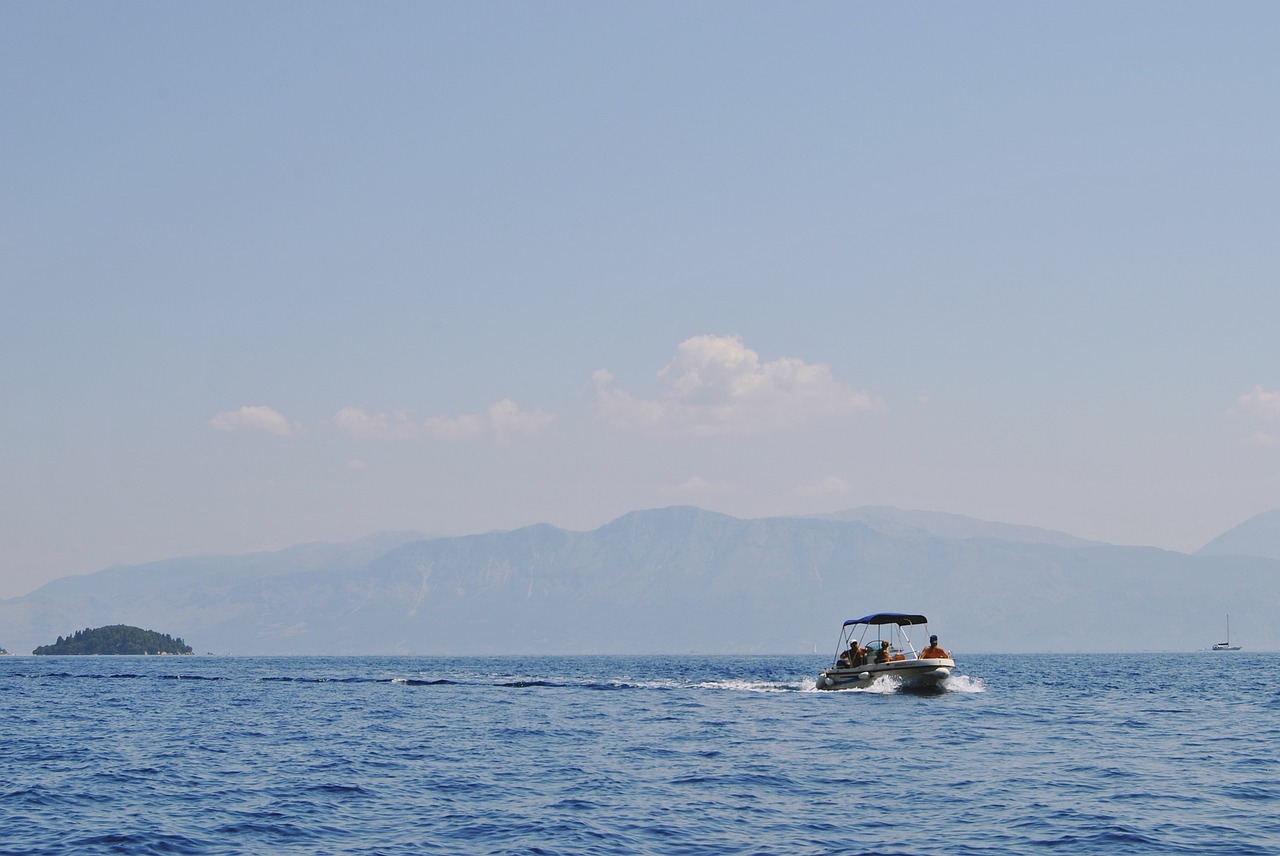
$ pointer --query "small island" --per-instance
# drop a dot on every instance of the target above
(116, 639)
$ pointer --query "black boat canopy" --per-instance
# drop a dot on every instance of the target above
(889, 618)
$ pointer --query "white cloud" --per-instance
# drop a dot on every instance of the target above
(830, 486)
(694, 486)
(1262, 403)
(1262, 438)
(501, 421)
(257, 417)
(716, 386)
(506, 418)
(355, 422)
(462, 427)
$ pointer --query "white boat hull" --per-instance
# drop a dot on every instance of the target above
(912, 674)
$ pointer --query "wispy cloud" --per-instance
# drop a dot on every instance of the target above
(501, 421)
(694, 487)
(506, 418)
(830, 486)
(716, 386)
(462, 427)
(1262, 403)
(356, 422)
(1264, 438)
(256, 417)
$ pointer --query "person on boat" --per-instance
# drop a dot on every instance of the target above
(854, 657)
(882, 655)
(934, 651)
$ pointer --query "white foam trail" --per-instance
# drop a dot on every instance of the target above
(756, 686)
(884, 685)
(964, 684)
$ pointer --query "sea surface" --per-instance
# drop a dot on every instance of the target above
(1130, 753)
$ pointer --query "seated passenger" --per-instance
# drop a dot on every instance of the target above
(934, 651)
(882, 655)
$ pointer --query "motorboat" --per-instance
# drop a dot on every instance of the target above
(878, 647)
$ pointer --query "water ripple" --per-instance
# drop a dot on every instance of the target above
(633, 755)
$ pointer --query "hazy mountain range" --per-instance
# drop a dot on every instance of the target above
(682, 579)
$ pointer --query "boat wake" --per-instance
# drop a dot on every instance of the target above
(964, 684)
(757, 686)
(884, 685)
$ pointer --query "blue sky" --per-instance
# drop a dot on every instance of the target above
(287, 272)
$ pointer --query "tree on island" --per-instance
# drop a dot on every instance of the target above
(116, 639)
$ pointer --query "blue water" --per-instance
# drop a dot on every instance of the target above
(618, 755)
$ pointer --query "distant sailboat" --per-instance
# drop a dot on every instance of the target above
(1226, 646)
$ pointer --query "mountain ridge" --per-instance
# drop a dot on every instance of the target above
(673, 580)
(1257, 536)
(942, 524)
